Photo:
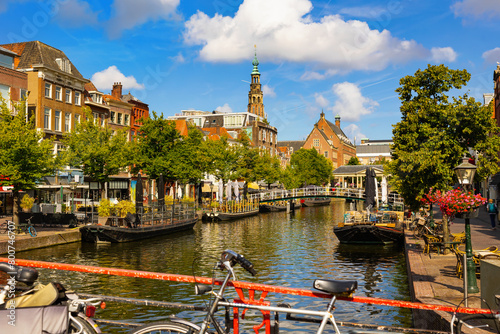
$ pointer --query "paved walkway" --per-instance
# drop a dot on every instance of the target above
(433, 279)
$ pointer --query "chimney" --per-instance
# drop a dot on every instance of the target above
(337, 121)
(117, 90)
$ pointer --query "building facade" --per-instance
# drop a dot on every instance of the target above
(373, 151)
(330, 141)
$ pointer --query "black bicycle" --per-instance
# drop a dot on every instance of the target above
(489, 322)
(10, 228)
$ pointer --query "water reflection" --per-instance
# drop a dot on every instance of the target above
(286, 250)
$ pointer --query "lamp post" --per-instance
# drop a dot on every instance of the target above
(211, 192)
(465, 173)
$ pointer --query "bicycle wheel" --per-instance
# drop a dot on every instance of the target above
(78, 324)
(419, 231)
(32, 231)
(486, 321)
(4, 228)
(165, 327)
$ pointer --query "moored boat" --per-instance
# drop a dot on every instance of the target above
(316, 201)
(219, 215)
(268, 207)
(127, 232)
(361, 228)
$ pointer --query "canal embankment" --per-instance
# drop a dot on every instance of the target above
(46, 237)
(432, 277)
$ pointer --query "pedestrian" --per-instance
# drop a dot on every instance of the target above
(492, 211)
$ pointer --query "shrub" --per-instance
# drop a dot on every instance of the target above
(27, 202)
(124, 207)
(105, 208)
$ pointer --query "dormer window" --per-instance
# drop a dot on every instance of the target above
(64, 64)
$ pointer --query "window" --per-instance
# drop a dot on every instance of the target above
(48, 90)
(58, 93)
(24, 94)
(57, 120)
(112, 118)
(326, 154)
(119, 118)
(68, 95)
(67, 122)
(46, 119)
(127, 122)
(316, 142)
(77, 98)
(77, 118)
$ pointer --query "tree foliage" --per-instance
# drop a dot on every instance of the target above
(25, 156)
(307, 167)
(353, 161)
(98, 151)
(435, 132)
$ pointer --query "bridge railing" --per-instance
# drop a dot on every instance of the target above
(354, 193)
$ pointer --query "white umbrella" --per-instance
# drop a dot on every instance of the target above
(228, 190)
(221, 191)
(376, 191)
(179, 192)
(384, 189)
(236, 191)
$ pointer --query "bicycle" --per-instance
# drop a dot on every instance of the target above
(66, 312)
(424, 225)
(27, 228)
(228, 260)
(490, 321)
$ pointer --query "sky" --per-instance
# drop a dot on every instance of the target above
(342, 57)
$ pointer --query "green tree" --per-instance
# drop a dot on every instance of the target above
(191, 156)
(307, 167)
(25, 156)
(434, 133)
(268, 168)
(223, 159)
(97, 150)
(353, 161)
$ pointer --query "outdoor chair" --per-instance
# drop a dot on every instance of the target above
(432, 241)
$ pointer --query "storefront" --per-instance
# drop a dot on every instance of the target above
(6, 201)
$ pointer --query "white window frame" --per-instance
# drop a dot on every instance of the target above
(78, 100)
(68, 95)
(48, 90)
(67, 122)
(47, 116)
(78, 118)
(57, 120)
(58, 93)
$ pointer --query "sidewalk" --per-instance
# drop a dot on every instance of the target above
(433, 279)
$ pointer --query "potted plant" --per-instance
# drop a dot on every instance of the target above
(27, 203)
(124, 207)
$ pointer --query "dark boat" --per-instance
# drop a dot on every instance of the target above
(316, 201)
(218, 215)
(126, 232)
(385, 228)
(265, 207)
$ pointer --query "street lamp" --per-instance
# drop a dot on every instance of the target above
(211, 192)
(465, 173)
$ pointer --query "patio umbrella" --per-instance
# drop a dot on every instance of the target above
(179, 192)
(228, 190)
(236, 190)
(221, 190)
(245, 189)
(161, 191)
(370, 188)
(138, 194)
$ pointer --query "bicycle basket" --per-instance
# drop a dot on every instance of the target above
(52, 319)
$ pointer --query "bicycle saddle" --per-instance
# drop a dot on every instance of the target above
(335, 287)
(21, 274)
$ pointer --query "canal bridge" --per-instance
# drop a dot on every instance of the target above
(355, 194)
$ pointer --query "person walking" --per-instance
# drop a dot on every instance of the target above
(492, 211)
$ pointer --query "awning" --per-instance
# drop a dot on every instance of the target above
(6, 189)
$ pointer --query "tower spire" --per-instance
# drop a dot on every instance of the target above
(255, 95)
(255, 62)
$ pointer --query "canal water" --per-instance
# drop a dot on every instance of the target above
(286, 250)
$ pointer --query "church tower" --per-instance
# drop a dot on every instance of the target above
(255, 95)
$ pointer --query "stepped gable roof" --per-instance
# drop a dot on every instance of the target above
(338, 131)
(38, 53)
(295, 144)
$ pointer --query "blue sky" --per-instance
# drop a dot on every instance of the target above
(343, 57)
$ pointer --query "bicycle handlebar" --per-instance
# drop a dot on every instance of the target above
(233, 257)
(21, 274)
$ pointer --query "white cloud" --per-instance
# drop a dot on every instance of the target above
(320, 100)
(308, 75)
(225, 108)
(130, 13)
(366, 12)
(268, 91)
(492, 56)
(75, 14)
(353, 132)
(104, 80)
(350, 103)
(440, 55)
(284, 31)
(179, 58)
(477, 9)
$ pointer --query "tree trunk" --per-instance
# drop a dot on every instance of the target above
(446, 234)
(15, 209)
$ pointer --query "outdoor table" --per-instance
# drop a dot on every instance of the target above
(485, 254)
